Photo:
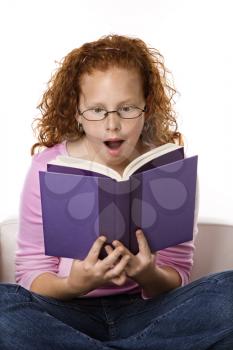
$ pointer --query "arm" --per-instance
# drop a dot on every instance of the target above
(30, 258)
(85, 275)
(159, 280)
(143, 268)
(165, 270)
(171, 267)
(53, 286)
(38, 272)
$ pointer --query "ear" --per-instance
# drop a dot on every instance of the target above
(78, 117)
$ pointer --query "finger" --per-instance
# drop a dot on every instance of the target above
(108, 249)
(119, 280)
(118, 268)
(142, 243)
(113, 257)
(93, 254)
(119, 244)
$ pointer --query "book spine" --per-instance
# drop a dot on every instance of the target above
(122, 217)
(114, 210)
(135, 210)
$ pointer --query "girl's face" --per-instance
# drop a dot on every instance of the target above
(110, 90)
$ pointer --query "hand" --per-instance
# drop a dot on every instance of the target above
(140, 266)
(122, 277)
(90, 273)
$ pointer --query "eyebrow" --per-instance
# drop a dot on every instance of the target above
(89, 103)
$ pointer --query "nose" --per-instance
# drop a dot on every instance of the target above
(113, 121)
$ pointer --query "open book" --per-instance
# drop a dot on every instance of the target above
(82, 200)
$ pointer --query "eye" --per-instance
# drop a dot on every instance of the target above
(126, 108)
(97, 110)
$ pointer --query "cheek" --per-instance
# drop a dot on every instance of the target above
(91, 129)
(136, 129)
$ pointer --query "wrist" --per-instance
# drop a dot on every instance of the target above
(146, 277)
(51, 285)
(150, 277)
(161, 280)
(74, 290)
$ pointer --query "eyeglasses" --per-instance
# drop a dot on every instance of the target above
(124, 112)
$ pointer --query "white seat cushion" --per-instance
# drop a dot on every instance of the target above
(8, 232)
(213, 251)
(214, 245)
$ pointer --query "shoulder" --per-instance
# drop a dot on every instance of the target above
(39, 163)
(47, 154)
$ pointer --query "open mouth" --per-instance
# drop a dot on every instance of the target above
(113, 144)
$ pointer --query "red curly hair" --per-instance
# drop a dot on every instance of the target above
(60, 101)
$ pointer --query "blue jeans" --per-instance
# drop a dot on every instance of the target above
(197, 316)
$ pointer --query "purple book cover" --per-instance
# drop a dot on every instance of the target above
(79, 205)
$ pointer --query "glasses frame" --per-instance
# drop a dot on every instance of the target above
(108, 112)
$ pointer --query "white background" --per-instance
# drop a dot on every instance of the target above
(195, 37)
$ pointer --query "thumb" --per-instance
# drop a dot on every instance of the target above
(142, 242)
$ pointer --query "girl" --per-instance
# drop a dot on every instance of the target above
(109, 102)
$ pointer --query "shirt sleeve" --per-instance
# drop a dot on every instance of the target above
(180, 257)
(30, 260)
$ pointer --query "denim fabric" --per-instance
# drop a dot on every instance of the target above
(195, 317)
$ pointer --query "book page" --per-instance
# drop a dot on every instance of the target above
(147, 157)
(85, 164)
(107, 171)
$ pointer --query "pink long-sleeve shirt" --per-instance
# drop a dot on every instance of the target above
(31, 260)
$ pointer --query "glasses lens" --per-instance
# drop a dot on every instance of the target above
(94, 114)
(129, 112)
(126, 112)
